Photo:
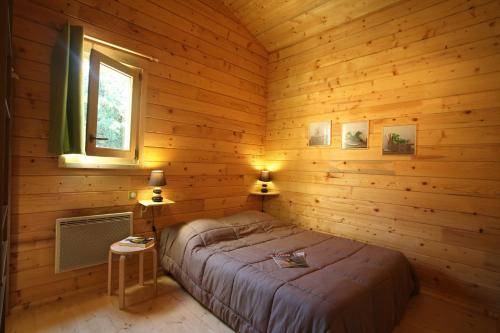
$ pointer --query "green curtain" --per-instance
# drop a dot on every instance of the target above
(66, 132)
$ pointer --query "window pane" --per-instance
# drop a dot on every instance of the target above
(114, 108)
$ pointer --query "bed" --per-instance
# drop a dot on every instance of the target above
(226, 265)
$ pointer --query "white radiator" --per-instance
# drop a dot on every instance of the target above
(84, 241)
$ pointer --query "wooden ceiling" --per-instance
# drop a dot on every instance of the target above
(280, 23)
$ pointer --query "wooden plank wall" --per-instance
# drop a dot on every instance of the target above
(434, 63)
(205, 117)
(281, 23)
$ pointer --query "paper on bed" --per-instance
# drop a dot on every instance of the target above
(290, 260)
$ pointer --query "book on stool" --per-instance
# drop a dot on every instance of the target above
(137, 241)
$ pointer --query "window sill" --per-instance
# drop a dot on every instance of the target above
(96, 162)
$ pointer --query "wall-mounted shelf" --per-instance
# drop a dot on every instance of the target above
(150, 203)
(270, 193)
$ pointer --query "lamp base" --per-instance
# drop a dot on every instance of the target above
(264, 188)
(157, 195)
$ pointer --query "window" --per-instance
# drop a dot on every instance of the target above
(101, 127)
(111, 98)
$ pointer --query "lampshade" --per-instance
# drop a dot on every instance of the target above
(265, 176)
(157, 178)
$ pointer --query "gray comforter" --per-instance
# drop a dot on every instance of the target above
(226, 265)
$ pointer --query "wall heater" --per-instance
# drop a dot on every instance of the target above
(84, 241)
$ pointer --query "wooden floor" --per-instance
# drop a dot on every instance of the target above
(175, 311)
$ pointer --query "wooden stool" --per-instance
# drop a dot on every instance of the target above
(123, 251)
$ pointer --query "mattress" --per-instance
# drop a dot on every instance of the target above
(226, 265)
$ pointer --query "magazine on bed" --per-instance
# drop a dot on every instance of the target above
(290, 260)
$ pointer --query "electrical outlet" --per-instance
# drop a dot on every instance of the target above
(132, 195)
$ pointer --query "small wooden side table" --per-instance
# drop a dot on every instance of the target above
(123, 251)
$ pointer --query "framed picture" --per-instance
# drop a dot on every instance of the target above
(355, 135)
(320, 133)
(399, 140)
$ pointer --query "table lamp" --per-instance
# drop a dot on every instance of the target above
(265, 177)
(157, 179)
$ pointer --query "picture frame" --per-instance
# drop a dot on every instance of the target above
(320, 133)
(399, 140)
(355, 135)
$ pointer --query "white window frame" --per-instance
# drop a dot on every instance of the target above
(96, 59)
(108, 159)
